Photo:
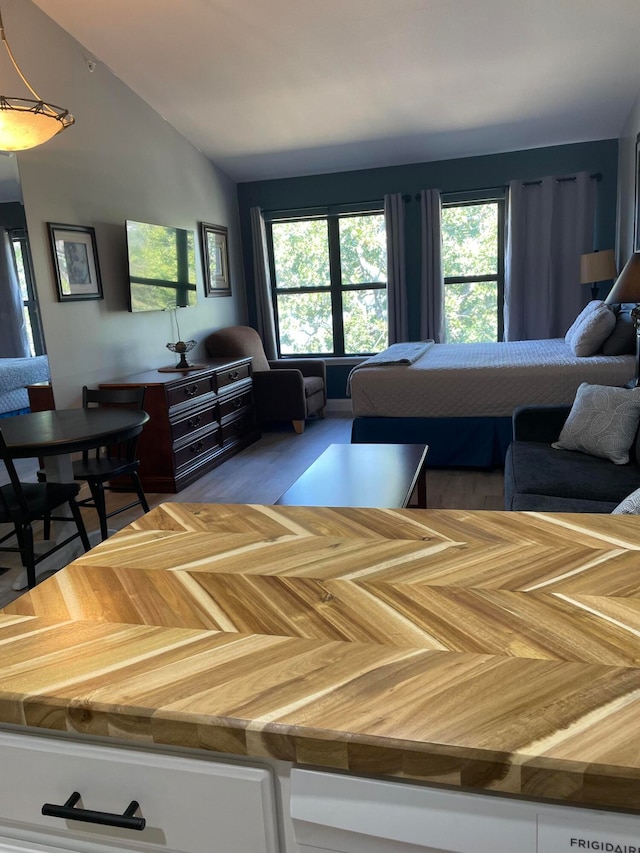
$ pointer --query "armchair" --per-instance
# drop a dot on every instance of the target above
(283, 389)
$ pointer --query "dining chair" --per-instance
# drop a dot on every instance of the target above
(23, 503)
(106, 463)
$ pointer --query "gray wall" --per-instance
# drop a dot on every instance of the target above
(627, 183)
(121, 160)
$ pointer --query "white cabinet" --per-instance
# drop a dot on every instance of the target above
(189, 804)
(347, 814)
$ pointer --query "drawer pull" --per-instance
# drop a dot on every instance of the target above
(234, 374)
(237, 403)
(68, 812)
(194, 422)
(197, 447)
(191, 390)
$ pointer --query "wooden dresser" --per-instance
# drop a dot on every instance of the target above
(197, 421)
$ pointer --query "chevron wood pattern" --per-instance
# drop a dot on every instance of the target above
(490, 650)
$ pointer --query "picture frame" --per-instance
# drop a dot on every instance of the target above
(215, 259)
(636, 209)
(75, 261)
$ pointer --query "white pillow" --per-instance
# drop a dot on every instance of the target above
(593, 330)
(629, 506)
(588, 308)
(603, 421)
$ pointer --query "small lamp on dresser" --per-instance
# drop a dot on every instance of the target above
(597, 266)
(627, 289)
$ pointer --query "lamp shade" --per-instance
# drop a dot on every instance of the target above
(597, 266)
(26, 124)
(627, 286)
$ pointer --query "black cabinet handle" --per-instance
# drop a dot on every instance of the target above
(194, 422)
(238, 403)
(197, 447)
(68, 812)
(191, 390)
(233, 375)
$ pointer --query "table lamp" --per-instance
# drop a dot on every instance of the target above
(597, 266)
(627, 289)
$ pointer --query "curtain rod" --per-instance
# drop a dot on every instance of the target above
(596, 176)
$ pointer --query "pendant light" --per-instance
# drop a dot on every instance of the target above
(26, 123)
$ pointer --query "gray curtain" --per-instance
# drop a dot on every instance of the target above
(432, 282)
(396, 275)
(13, 334)
(550, 224)
(262, 278)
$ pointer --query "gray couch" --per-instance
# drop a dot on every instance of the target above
(540, 478)
(15, 375)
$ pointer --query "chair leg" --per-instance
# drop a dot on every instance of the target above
(138, 487)
(77, 517)
(298, 427)
(25, 540)
(46, 521)
(97, 493)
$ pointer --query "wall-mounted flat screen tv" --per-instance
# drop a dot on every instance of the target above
(162, 267)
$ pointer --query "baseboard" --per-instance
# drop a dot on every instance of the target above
(339, 405)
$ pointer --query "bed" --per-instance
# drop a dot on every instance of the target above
(15, 375)
(459, 398)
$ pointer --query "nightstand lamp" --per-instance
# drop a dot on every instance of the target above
(627, 289)
(597, 266)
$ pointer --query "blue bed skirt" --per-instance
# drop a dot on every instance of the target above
(15, 412)
(453, 442)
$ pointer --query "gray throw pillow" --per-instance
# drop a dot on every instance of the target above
(622, 340)
(603, 421)
(588, 309)
(629, 506)
(593, 331)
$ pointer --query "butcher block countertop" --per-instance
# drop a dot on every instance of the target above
(488, 650)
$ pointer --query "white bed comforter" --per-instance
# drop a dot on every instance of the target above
(481, 380)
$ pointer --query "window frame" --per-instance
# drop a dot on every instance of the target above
(19, 235)
(468, 200)
(336, 288)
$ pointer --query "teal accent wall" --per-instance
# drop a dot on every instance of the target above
(471, 173)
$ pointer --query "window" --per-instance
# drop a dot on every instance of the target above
(22, 258)
(329, 276)
(473, 265)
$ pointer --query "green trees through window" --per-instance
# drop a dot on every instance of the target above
(473, 266)
(329, 275)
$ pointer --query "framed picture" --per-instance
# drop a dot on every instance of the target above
(636, 215)
(75, 260)
(215, 258)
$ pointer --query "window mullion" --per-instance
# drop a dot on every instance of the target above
(335, 273)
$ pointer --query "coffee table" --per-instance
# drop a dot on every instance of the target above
(362, 475)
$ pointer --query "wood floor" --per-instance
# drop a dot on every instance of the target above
(266, 469)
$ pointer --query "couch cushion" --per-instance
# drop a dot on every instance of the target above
(548, 503)
(537, 469)
(312, 384)
(603, 421)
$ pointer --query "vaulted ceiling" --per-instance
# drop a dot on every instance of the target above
(273, 88)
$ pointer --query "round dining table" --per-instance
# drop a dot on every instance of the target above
(55, 435)
(60, 432)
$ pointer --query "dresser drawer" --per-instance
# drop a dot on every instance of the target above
(234, 405)
(232, 374)
(188, 804)
(194, 422)
(236, 428)
(190, 453)
(189, 391)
